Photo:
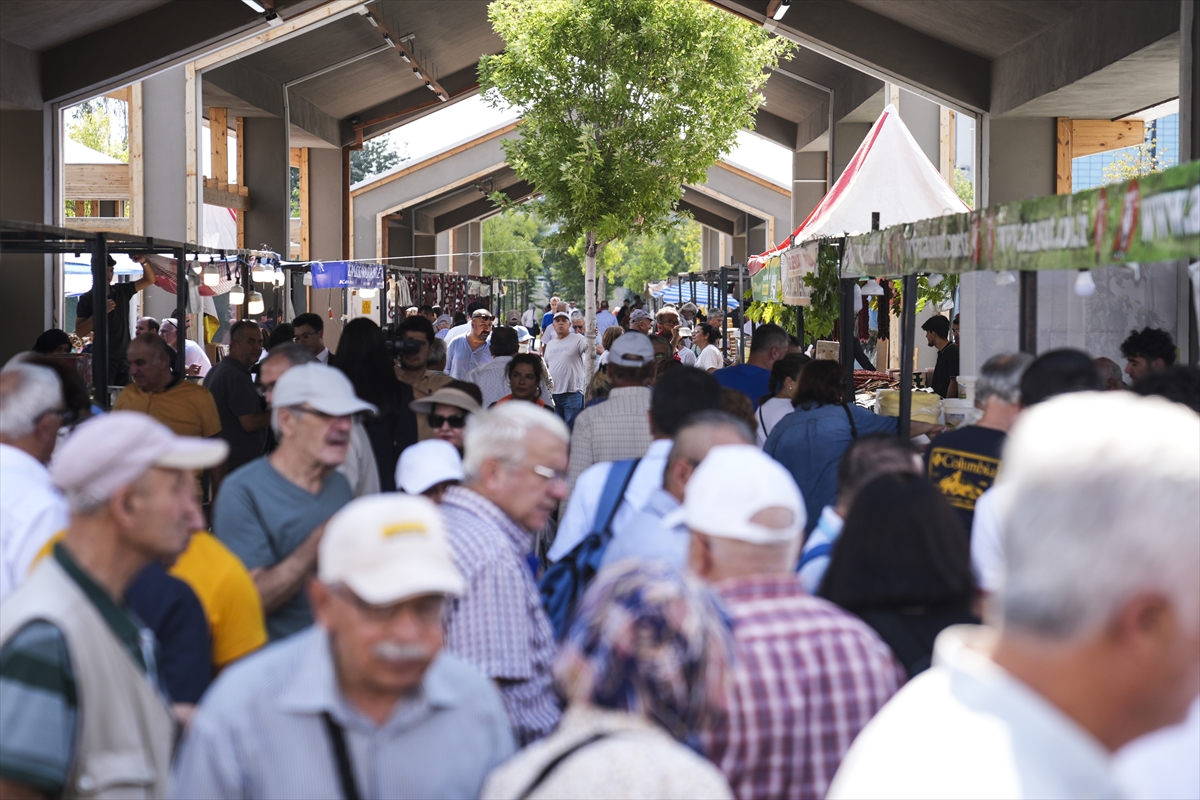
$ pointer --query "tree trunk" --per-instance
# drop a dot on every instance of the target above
(589, 284)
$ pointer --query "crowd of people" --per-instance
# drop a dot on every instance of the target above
(512, 561)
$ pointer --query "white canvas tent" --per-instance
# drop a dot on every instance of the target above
(889, 174)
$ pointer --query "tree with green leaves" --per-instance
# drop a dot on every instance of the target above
(623, 102)
(510, 245)
(102, 125)
(376, 157)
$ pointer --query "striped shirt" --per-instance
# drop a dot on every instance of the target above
(617, 429)
(38, 694)
(499, 625)
(259, 731)
(809, 677)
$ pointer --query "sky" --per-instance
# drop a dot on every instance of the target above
(472, 116)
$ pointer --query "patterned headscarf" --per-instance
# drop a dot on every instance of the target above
(650, 641)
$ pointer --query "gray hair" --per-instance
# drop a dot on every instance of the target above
(293, 352)
(437, 351)
(1099, 499)
(500, 434)
(1000, 377)
(27, 392)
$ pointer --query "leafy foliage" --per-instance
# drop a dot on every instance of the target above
(787, 317)
(940, 295)
(1134, 162)
(101, 124)
(377, 156)
(963, 187)
(623, 102)
(650, 258)
(518, 232)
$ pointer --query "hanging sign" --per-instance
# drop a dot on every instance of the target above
(346, 274)
(797, 262)
(767, 284)
(1150, 219)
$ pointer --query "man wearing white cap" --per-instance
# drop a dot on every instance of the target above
(429, 468)
(365, 704)
(618, 428)
(568, 369)
(808, 675)
(81, 709)
(272, 511)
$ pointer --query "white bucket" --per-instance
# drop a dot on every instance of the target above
(966, 387)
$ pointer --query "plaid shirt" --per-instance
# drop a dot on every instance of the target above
(617, 429)
(499, 625)
(809, 677)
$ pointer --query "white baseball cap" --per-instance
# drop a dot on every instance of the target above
(731, 486)
(387, 548)
(426, 464)
(114, 450)
(325, 388)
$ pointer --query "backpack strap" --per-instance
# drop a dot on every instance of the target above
(823, 549)
(613, 493)
(850, 419)
(558, 759)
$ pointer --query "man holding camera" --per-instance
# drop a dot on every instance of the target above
(413, 338)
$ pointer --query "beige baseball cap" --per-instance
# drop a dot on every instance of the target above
(387, 548)
(732, 485)
(114, 450)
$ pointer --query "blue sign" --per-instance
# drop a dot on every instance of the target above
(347, 274)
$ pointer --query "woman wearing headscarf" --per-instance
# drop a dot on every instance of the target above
(642, 668)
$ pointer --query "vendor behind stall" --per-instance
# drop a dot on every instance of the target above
(119, 295)
(945, 374)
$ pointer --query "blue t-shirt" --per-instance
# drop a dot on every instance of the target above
(810, 443)
(262, 517)
(547, 319)
(748, 379)
(171, 609)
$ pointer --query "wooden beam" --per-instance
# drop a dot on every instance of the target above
(107, 224)
(96, 181)
(1065, 152)
(294, 157)
(304, 227)
(1091, 136)
(218, 139)
(226, 199)
(137, 164)
(191, 149)
(241, 182)
(946, 144)
(119, 94)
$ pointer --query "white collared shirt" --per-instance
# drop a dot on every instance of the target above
(966, 728)
(585, 498)
(31, 512)
(323, 356)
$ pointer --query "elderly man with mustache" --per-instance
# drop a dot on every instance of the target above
(365, 704)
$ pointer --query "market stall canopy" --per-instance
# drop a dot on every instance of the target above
(705, 295)
(889, 174)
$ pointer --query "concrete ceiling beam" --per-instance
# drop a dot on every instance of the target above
(262, 91)
(775, 129)
(22, 84)
(708, 218)
(395, 112)
(519, 191)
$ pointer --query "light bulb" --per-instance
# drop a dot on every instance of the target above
(237, 295)
(260, 273)
(196, 267)
(367, 294)
(1085, 286)
(1005, 278)
(933, 280)
(872, 288)
(211, 276)
(256, 304)
(279, 277)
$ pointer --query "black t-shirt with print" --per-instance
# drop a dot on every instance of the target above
(962, 465)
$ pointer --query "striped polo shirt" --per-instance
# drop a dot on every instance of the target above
(38, 697)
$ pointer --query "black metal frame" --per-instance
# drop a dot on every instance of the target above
(37, 239)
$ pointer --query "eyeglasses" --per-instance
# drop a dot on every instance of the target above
(549, 473)
(66, 416)
(455, 421)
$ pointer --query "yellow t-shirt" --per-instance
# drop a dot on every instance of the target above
(226, 592)
(186, 408)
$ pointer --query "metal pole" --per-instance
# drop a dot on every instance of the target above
(742, 317)
(908, 335)
(1029, 317)
(181, 294)
(800, 325)
(100, 319)
(846, 343)
(724, 308)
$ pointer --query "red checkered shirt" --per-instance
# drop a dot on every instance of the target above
(808, 678)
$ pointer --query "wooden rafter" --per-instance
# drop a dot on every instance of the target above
(409, 57)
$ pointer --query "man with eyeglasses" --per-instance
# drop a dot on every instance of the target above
(471, 351)
(271, 512)
(32, 511)
(309, 331)
(244, 421)
(367, 703)
(515, 466)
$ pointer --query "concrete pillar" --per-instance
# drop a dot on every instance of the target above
(810, 181)
(475, 261)
(324, 204)
(441, 249)
(265, 159)
(921, 118)
(26, 281)
(164, 162)
(847, 136)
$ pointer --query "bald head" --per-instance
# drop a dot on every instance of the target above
(1111, 373)
(702, 432)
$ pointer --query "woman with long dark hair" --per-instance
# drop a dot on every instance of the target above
(902, 563)
(780, 388)
(362, 354)
(810, 441)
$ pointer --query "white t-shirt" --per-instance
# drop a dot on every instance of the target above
(686, 357)
(564, 358)
(769, 414)
(1163, 765)
(31, 512)
(194, 354)
(987, 539)
(710, 358)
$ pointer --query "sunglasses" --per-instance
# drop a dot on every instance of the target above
(456, 421)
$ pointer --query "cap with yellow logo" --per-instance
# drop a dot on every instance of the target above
(389, 547)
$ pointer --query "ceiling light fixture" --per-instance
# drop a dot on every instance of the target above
(371, 18)
(256, 304)
(872, 289)
(1085, 285)
(783, 9)
(256, 6)
(387, 37)
(211, 276)
(237, 295)
(1005, 278)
